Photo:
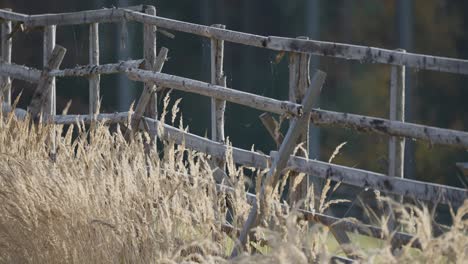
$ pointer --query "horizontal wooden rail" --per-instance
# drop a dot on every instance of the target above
(360, 178)
(19, 72)
(86, 70)
(319, 117)
(106, 15)
(434, 135)
(216, 91)
(321, 48)
(32, 75)
(377, 181)
(355, 177)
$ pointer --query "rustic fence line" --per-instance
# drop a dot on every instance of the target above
(148, 70)
(321, 48)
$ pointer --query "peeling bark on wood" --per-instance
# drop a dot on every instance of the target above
(217, 78)
(19, 72)
(321, 48)
(94, 79)
(338, 50)
(431, 192)
(366, 124)
(216, 91)
(149, 54)
(83, 17)
(218, 106)
(86, 70)
(299, 81)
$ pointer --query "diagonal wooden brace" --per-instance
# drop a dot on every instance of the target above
(148, 91)
(279, 163)
(42, 91)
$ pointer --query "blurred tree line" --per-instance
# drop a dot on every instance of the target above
(433, 27)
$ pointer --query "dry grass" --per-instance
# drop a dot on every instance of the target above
(105, 203)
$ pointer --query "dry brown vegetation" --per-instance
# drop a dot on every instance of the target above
(105, 202)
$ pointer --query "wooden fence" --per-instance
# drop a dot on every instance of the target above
(302, 106)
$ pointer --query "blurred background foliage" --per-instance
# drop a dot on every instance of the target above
(433, 27)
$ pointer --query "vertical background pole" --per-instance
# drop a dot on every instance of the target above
(6, 47)
(94, 80)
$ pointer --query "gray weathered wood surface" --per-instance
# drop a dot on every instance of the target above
(149, 90)
(94, 79)
(42, 94)
(299, 81)
(19, 72)
(217, 78)
(6, 48)
(149, 55)
(338, 50)
(396, 146)
(433, 135)
(216, 91)
(48, 47)
(32, 75)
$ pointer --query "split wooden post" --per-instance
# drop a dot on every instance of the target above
(6, 47)
(279, 163)
(217, 78)
(396, 145)
(41, 95)
(149, 54)
(94, 79)
(299, 81)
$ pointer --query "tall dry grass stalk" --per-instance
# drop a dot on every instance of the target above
(105, 202)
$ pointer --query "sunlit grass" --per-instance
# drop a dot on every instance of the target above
(108, 202)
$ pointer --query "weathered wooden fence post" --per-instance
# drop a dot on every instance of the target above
(149, 55)
(396, 145)
(50, 104)
(217, 77)
(280, 161)
(94, 79)
(299, 81)
(6, 47)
